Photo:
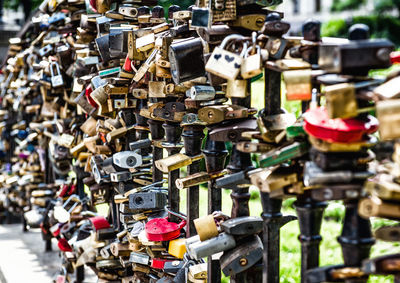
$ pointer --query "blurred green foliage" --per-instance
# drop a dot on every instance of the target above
(341, 5)
(382, 23)
(381, 26)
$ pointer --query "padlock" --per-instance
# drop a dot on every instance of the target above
(318, 124)
(383, 187)
(206, 227)
(313, 175)
(197, 179)
(324, 146)
(176, 161)
(252, 147)
(119, 249)
(337, 192)
(237, 88)
(328, 161)
(341, 99)
(345, 58)
(198, 249)
(334, 273)
(222, 10)
(389, 89)
(201, 92)
(253, 22)
(201, 18)
(386, 112)
(61, 214)
(145, 66)
(233, 132)
(156, 89)
(56, 77)
(118, 177)
(198, 271)
(298, 84)
(386, 264)
(283, 154)
(226, 64)
(388, 233)
(140, 258)
(147, 200)
(183, 55)
(128, 11)
(242, 257)
(160, 229)
(177, 248)
(127, 159)
(173, 266)
(218, 113)
(242, 226)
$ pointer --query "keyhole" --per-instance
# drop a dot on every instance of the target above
(139, 200)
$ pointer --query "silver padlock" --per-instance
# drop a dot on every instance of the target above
(242, 257)
(56, 77)
(222, 242)
(127, 159)
(201, 92)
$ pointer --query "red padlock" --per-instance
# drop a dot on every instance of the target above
(318, 125)
(158, 263)
(63, 245)
(99, 222)
(160, 229)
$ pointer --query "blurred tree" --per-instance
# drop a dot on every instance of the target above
(382, 6)
(381, 22)
(341, 5)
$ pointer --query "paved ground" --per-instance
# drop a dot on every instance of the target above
(23, 258)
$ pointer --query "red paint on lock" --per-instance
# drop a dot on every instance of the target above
(99, 222)
(64, 190)
(128, 65)
(88, 91)
(160, 229)
(318, 125)
(158, 263)
(395, 57)
(63, 245)
(72, 189)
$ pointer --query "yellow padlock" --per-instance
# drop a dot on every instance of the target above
(177, 247)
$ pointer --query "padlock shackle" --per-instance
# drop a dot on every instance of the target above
(229, 38)
(179, 215)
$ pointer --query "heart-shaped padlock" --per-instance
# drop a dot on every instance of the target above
(160, 229)
(318, 125)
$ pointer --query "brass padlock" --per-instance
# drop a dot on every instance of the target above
(298, 84)
(175, 162)
(219, 113)
(252, 64)
(206, 227)
(389, 119)
(237, 88)
(341, 101)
